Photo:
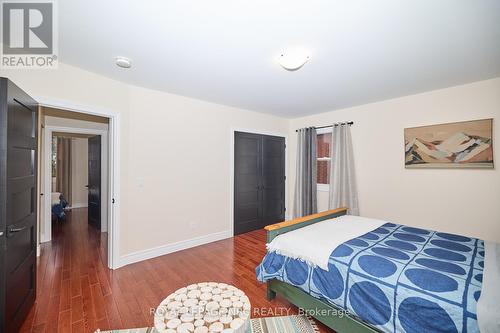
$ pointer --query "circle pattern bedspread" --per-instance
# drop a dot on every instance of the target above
(396, 278)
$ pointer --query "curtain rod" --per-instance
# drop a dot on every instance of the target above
(337, 124)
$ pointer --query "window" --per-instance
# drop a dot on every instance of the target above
(324, 141)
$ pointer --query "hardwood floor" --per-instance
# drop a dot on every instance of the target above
(76, 292)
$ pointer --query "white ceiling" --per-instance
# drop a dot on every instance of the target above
(225, 51)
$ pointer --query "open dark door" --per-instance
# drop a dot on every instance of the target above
(94, 210)
(18, 167)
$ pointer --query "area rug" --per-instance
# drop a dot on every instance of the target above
(285, 324)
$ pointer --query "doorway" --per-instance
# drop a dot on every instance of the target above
(76, 170)
(259, 181)
(91, 173)
(24, 141)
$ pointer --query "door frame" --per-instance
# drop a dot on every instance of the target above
(46, 236)
(231, 168)
(114, 131)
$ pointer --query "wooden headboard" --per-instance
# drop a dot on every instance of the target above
(274, 230)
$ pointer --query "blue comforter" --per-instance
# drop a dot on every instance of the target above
(396, 278)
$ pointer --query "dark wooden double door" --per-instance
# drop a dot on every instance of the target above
(259, 181)
(18, 204)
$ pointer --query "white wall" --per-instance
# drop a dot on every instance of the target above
(462, 201)
(174, 158)
(179, 167)
(79, 172)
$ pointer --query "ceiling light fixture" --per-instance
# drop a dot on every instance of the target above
(123, 62)
(293, 59)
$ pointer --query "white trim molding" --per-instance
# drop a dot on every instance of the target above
(73, 107)
(173, 247)
(323, 187)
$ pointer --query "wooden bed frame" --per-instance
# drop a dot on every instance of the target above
(332, 316)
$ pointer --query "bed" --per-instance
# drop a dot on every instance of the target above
(394, 278)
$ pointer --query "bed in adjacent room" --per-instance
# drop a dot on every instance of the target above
(389, 277)
(58, 205)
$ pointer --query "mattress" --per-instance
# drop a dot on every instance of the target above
(395, 278)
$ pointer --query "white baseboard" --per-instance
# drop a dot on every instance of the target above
(78, 205)
(169, 248)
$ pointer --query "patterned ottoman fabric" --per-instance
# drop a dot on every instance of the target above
(396, 278)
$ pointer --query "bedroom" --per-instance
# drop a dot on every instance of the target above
(174, 112)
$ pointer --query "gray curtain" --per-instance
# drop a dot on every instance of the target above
(304, 202)
(343, 189)
(63, 172)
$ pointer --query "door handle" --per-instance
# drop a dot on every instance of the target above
(14, 230)
(1, 233)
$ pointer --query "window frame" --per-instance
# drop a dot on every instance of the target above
(323, 187)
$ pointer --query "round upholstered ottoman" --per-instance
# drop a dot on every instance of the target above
(202, 308)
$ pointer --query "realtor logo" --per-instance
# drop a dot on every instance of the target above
(28, 35)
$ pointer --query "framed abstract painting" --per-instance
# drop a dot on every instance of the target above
(466, 144)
